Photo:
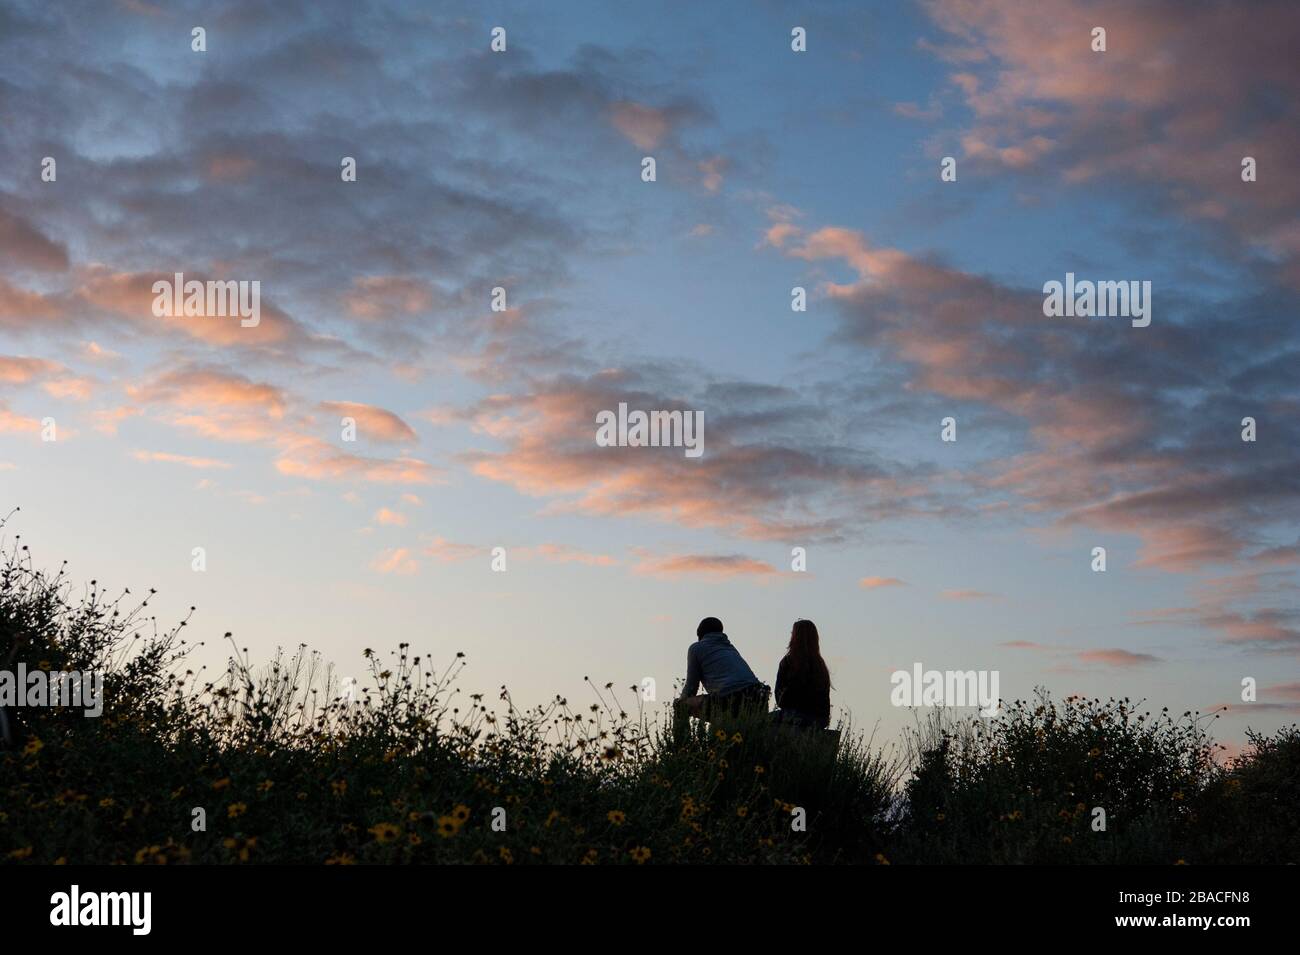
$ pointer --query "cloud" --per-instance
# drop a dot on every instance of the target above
(373, 423)
(703, 565)
(390, 518)
(967, 595)
(24, 246)
(441, 549)
(872, 583)
(1180, 96)
(643, 126)
(564, 554)
(316, 460)
(395, 560)
(187, 460)
(782, 477)
(1116, 658)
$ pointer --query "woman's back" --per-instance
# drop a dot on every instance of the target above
(803, 683)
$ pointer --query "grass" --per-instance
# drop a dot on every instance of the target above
(281, 766)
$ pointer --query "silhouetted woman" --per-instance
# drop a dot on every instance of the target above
(803, 683)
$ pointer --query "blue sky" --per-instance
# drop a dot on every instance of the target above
(521, 169)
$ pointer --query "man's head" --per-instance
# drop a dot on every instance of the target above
(708, 625)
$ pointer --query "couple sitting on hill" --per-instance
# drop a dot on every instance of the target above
(803, 683)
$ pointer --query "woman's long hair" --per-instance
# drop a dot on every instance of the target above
(805, 655)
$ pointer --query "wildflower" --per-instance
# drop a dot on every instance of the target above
(22, 853)
(150, 854)
(340, 786)
(590, 857)
(506, 855)
(34, 746)
(345, 858)
(721, 735)
(265, 786)
(236, 809)
(105, 802)
(940, 816)
(241, 847)
(1094, 751)
(616, 816)
(641, 854)
(759, 770)
(448, 826)
(554, 815)
(221, 784)
(737, 738)
(460, 813)
(880, 859)
(384, 832)
(742, 811)
(414, 839)
(1067, 840)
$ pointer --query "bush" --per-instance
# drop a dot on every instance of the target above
(286, 768)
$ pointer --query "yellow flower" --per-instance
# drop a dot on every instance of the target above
(236, 809)
(448, 826)
(590, 857)
(616, 816)
(737, 738)
(22, 853)
(414, 839)
(460, 813)
(759, 770)
(384, 832)
(106, 802)
(34, 746)
(506, 855)
(641, 854)
(265, 786)
(742, 811)
(340, 786)
(221, 783)
(345, 858)
(722, 735)
(241, 847)
(880, 858)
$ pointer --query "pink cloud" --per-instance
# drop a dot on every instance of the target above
(1116, 658)
(187, 460)
(872, 583)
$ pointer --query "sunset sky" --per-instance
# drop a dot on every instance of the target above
(775, 169)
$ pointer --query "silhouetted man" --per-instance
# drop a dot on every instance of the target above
(730, 684)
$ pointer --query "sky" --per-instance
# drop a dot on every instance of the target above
(522, 169)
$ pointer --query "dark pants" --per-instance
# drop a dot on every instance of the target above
(712, 708)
